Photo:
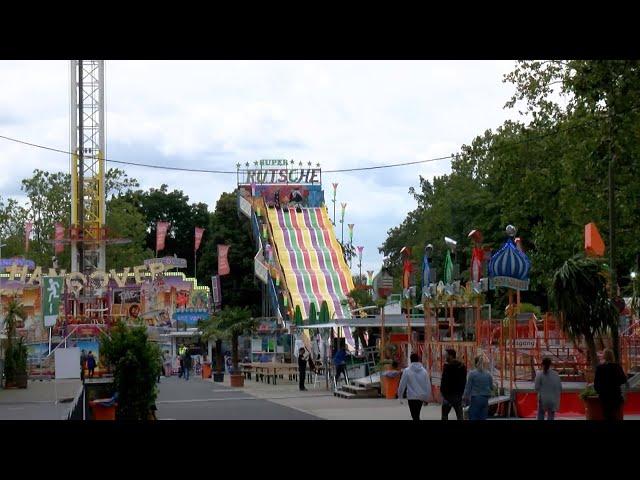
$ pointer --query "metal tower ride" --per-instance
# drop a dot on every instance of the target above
(87, 165)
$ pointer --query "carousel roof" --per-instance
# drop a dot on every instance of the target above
(509, 267)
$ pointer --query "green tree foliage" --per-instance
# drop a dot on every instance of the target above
(158, 204)
(579, 292)
(137, 363)
(16, 350)
(228, 227)
(547, 176)
(233, 322)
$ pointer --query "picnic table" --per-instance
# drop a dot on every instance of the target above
(270, 370)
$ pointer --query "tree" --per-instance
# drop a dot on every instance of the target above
(210, 330)
(137, 363)
(579, 294)
(235, 321)
(124, 220)
(15, 354)
(226, 227)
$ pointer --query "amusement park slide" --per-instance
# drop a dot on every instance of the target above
(311, 260)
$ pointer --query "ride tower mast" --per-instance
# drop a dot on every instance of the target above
(87, 165)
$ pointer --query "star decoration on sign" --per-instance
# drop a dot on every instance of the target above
(237, 165)
(255, 163)
(292, 161)
(318, 165)
(247, 164)
(309, 163)
(300, 164)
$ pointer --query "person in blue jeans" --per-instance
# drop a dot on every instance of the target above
(186, 365)
(478, 390)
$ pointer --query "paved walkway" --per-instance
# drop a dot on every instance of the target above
(198, 399)
(41, 400)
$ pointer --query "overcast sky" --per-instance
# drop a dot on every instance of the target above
(213, 114)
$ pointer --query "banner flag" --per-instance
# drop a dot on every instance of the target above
(223, 262)
(161, 233)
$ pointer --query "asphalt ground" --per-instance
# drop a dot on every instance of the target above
(197, 399)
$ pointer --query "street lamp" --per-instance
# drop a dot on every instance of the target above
(360, 248)
(344, 206)
(335, 187)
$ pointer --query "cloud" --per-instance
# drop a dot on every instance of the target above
(214, 114)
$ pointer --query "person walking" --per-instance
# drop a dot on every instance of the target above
(83, 363)
(340, 361)
(478, 390)
(186, 364)
(549, 387)
(303, 357)
(607, 382)
(417, 384)
(91, 363)
(454, 379)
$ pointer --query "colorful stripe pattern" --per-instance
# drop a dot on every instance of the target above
(311, 259)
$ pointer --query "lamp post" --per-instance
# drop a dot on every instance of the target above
(335, 187)
(2, 245)
(344, 206)
(350, 225)
(360, 248)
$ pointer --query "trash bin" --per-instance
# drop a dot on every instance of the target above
(206, 370)
(104, 408)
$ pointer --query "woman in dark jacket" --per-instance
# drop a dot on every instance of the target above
(609, 377)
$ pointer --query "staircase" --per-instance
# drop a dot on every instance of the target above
(355, 391)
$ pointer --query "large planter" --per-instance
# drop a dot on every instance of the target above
(390, 386)
(19, 381)
(102, 412)
(218, 377)
(593, 409)
(237, 380)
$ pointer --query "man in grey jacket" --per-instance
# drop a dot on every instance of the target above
(416, 382)
(549, 387)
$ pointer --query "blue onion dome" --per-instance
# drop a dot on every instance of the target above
(509, 267)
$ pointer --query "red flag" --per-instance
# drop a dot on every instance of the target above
(27, 231)
(199, 232)
(59, 248)
(161, 233)
(223, 263)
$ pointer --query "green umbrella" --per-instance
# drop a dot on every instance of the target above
(448, 268)
(313, 316)
(324, 313)
(297, 316)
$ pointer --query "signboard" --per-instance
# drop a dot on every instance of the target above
(130, 295)
(216, 292)
(525, 343)
(298, 176)
(53, 288)
(245, 206)
(261, 270)
(20, 262)
(190, 316)
(173, 262)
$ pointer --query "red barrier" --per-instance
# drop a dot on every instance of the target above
(570, 404)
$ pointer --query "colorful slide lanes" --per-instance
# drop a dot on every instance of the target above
(311, 260)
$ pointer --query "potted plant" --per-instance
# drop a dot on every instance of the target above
(579, 294)
(592, 406)
(210, 331)
(15, 368)
(136, 362)
(235, 321)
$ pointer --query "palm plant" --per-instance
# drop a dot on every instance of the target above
(235, 321)
(15, 354)
(579, 293)
(211, 331)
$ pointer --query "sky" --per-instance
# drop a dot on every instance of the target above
(214, 114)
